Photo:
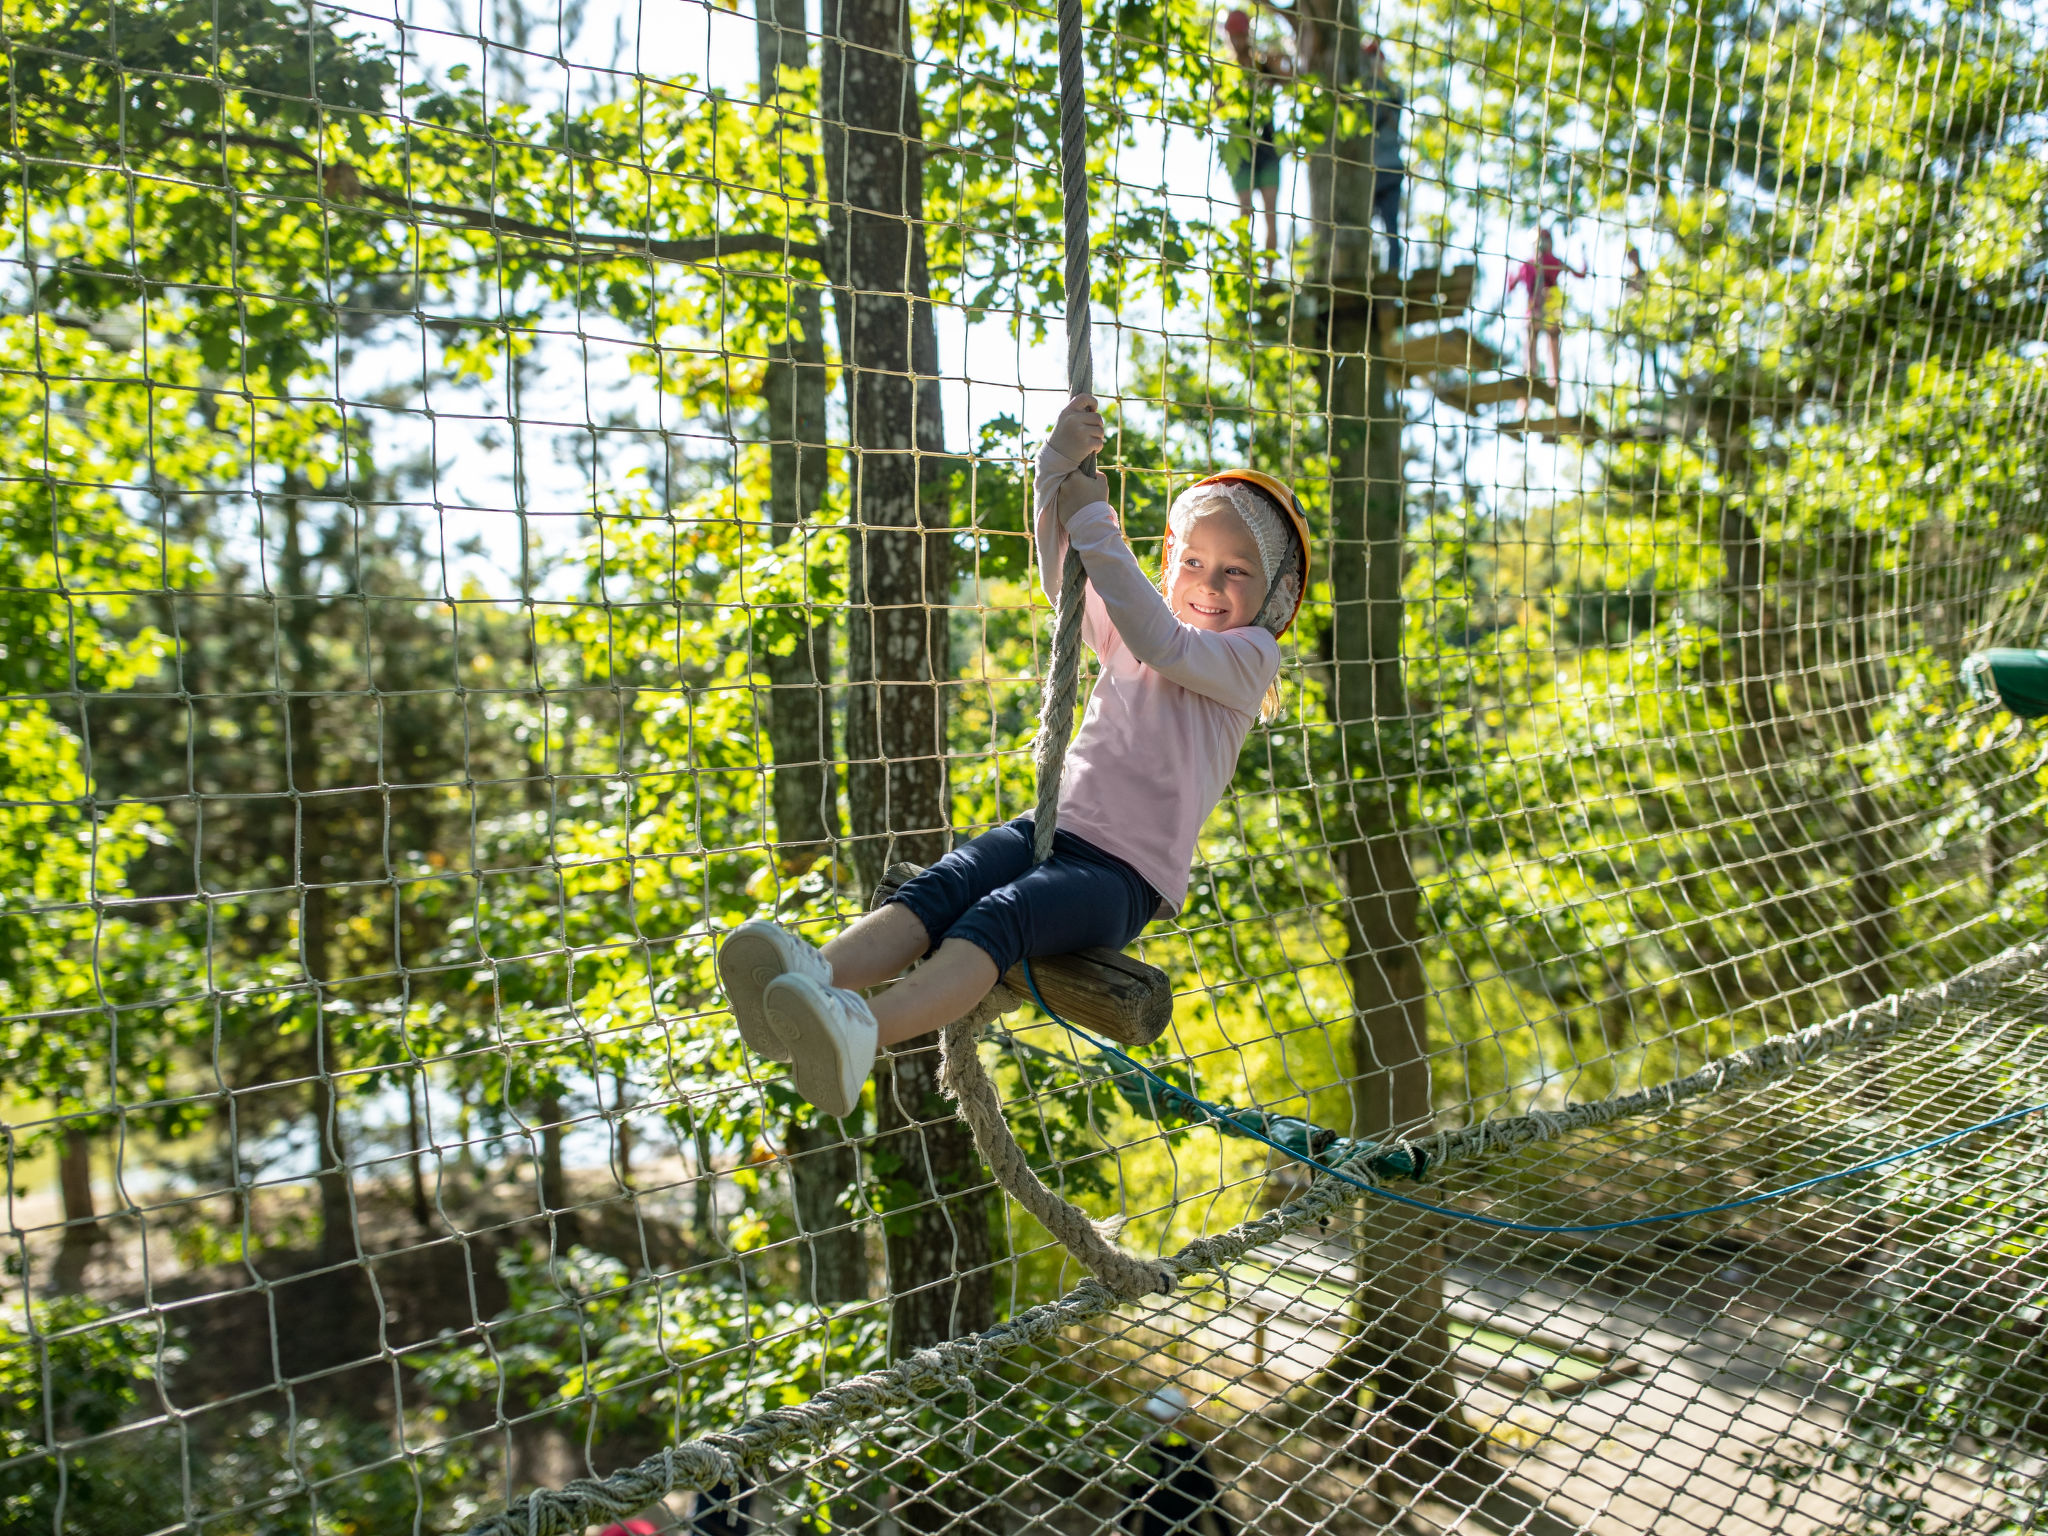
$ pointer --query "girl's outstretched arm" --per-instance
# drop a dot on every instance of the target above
(1234, 668)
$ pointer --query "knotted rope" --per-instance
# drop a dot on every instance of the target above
(961, 1074)
(964, 1080)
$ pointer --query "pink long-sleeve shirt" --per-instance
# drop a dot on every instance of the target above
(1171, 708)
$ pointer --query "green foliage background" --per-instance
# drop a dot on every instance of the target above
(295, 788)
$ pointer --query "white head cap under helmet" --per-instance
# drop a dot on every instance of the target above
(1279, 559)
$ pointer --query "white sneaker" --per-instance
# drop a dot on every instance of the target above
(831, 1037)
(753, 955)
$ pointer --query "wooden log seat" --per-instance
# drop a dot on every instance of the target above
(1105, 991)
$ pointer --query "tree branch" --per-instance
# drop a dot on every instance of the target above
(703, 248)
(340, 183)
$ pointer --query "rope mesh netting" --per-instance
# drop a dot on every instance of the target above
(500, 497)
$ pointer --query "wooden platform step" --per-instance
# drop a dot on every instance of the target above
(1551, 428)
(1436, 350)
(1427, 283)
(1103, 990)
(1466, 397)
(1423, 298)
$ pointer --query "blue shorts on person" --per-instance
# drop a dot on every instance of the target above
(989, 893)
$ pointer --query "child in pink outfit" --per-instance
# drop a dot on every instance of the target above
(1543, 275)
(1187, 666)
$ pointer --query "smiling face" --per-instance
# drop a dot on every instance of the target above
(1213, 577)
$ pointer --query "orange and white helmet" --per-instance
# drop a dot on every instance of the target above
(1283, 540)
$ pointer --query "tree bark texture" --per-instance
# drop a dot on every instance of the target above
(938, 1223)
(824, 1167)
(1873, 919)
(823, 1164)
(415, 1162)
(898, 565)
(554, 1178)
(938, 1203)
(1749, 628)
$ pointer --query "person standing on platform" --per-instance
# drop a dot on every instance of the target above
(1389, 165)
(1252, 152)
(1543, 275)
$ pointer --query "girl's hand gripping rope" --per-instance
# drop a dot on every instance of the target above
(1076, 435)
(1076, 438)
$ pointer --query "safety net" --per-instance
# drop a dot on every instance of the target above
(502, 496)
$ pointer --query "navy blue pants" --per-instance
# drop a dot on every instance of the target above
(989, 893)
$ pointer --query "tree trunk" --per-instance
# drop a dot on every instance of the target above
(937, 1204)
(938, 1230)
(337, 1193)
(823, 1164)
(1749, 623)
(898, 565)
(622, 1133)
(415, 1143)
(1996, 857)
(704, 1195)
(554, 1182)
(82, 1230)
(1871, 882)
(938, 1199)
(798, 659)
(1340, 169)
(1404, 1341)
(302, 612)
(823, 1167)
(1405, 1336)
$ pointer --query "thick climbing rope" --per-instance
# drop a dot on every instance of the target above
(1063, 671)
(962, 1076)
(713, 1460)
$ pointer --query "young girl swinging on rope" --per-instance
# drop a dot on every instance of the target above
(1186, 667)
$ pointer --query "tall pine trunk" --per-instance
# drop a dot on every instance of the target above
(823, 1164)
(938, 1234)
(898, 564)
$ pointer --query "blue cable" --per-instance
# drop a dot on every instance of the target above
(1416, 1165)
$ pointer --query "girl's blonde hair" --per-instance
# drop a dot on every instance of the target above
(1271, 705)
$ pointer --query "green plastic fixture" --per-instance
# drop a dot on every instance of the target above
(2016, 680)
